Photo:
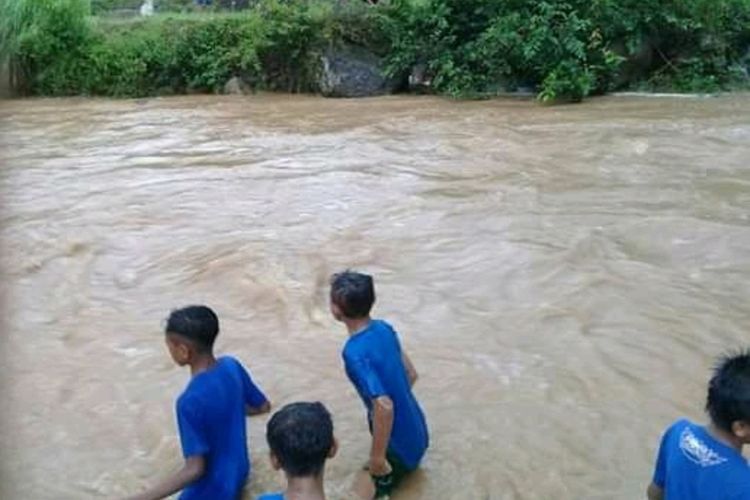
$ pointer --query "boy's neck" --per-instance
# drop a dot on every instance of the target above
(305, 488)
(725, 437)
(202, 363)
(356, 325)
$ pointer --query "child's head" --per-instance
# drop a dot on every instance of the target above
(352, 295)
(300, 436)
(728, 401)
(191, 331)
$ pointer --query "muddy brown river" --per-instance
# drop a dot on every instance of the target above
(563, 278)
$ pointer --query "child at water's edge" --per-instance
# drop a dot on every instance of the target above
(706, 463)
(210, 412)
(300, 437)
(383, 375)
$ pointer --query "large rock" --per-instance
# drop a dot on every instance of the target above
(350, 71)
(237, 86)
(420, 80)
(745, 64)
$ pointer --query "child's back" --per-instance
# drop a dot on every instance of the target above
(692, 464)
(374, 363)
(211, 417)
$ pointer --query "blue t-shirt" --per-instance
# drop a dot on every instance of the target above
(374, 364)
(271, 496)
(211, 421)
(692, 465)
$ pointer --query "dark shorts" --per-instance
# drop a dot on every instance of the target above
(384, 485)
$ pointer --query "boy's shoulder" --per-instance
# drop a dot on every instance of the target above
(201, 386)
(679, 425)
(678, 431)
(373, 337)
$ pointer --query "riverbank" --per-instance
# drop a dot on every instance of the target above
(559, 51)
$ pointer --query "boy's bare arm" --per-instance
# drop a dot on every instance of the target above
(193, 470)
(411, 372)
(258, 410)
(654, 492)
(382, 424)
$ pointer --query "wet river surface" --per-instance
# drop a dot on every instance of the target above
(562, 277)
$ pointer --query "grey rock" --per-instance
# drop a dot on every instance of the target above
(419, 79)
(350, 71)
(745, 63)
(236, 86)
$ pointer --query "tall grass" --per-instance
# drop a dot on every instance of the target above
(36, 34)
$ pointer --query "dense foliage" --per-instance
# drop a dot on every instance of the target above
(563, 49)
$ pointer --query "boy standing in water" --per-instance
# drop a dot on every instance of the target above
(383, 375)
(210, 412)
(300, 437)
(706, 463)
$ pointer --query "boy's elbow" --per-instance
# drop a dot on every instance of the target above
(258, 410)
(383, 405)
(195, 468)
(654, 492)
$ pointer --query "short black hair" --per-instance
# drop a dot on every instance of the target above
(729, 391)
(353, 292)
(198, 324)
(300, 435)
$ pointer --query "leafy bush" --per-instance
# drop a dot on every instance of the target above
(564, 49)
(36, 34)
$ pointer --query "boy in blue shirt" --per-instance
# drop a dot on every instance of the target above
(706, 463)
(210, 412)
(300, 437)
(383, 375)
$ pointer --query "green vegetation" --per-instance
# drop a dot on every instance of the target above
(564, 49)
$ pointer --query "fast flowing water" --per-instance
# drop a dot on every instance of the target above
(563, 278)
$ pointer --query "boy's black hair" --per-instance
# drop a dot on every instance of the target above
(353, 292)
(729, 391)
(199, 324)
(300, 435)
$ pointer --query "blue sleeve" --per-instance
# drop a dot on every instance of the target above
(396, 340)
(192, 432)
(366, 378)
(660, 471)
(254, 397)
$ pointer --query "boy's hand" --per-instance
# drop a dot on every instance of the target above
(379, 467)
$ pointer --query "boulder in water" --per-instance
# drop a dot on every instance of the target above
(350, 71)
(745, 64)
(420, 79)
(237, 86)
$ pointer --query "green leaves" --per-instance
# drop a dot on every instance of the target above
(565, 49)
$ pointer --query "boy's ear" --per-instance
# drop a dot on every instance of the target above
(334, 448)
(184, 351)
(741, 429)
(274, 461)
